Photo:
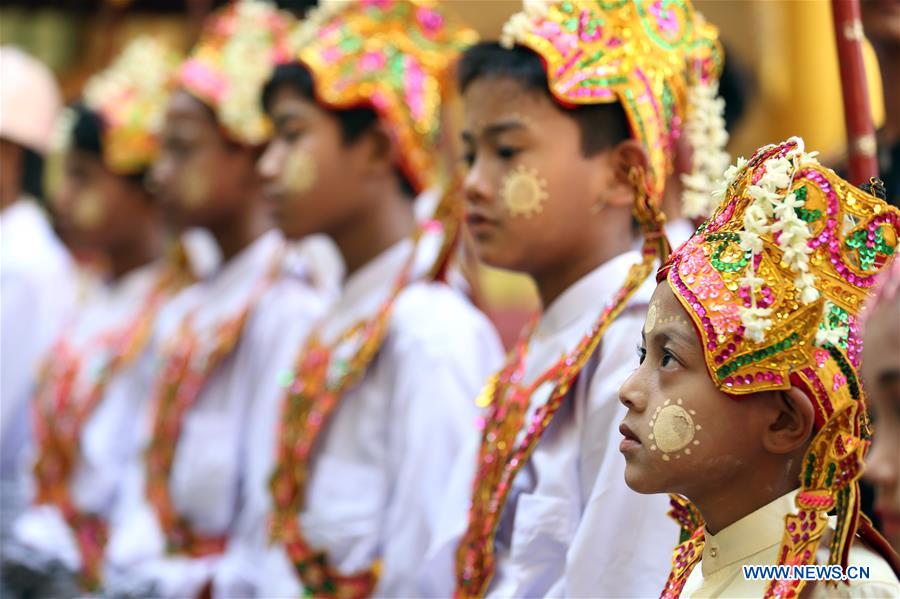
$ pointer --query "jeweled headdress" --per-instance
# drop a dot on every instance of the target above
(393, 56)
(130, 96)
(653, 57)
(775, 282)
(235, 56)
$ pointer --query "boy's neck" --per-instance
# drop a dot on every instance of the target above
(742, 495)
(553, 280)
(234, 234)
(143, 250)
(384, 222)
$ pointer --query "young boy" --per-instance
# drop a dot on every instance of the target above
(84, 405)
(747, 402)
(37, 281)
(881, 378)
(216, 340)
(569, 129)
(379, 400)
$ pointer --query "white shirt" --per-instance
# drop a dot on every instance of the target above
(108, 439)
(37, 293)
(209, 458)
(755, 540)
(571, 527)
(379, 474)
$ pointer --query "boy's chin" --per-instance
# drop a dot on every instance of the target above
(642, 481)
(500, 257)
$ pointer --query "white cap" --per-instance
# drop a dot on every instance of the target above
(29, 100)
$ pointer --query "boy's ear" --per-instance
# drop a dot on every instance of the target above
(622, 158)
(381, 152)
(792, 424)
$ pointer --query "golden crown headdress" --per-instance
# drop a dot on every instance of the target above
(646, 55)
(130, 97)
(235, 56)
(393, 56)
(775, 282)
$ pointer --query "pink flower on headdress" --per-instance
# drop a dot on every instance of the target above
(331, 54)
(379, 4)
(372, 61)
(838, 382)
(665, 18)
(415, 88)
(204, 80)
(430, 20)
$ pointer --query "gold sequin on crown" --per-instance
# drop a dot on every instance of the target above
(130, 96)
(643, 54)
(393, 56)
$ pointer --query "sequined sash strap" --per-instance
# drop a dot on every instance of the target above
(685, 556)
(500, 459)
(187, 366)
(60, 414)
(314, 392)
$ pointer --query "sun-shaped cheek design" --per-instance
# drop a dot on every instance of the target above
(300, 171)
(523, 192)
(673, 430)
(194, 190)
(88, 212)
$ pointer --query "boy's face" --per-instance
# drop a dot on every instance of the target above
(683, 435)
(311, 177)
(881, 376)
(202, 177)
(97, 209)
(529, 189)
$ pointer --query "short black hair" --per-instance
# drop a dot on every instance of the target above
(87, 131)
(353, 122)
(87, 136)
(298, 8)
(33, 174)
(601, 125)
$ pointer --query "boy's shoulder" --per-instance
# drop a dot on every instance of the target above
(435, 315)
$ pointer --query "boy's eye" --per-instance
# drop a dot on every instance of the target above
(468, 158)
(506, 152)
(177, 146)
(667, 358)
(291, 135)
(642, 354)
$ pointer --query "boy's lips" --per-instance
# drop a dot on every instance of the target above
(477, 220)
(630, 441)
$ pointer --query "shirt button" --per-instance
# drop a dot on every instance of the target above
(713, 552)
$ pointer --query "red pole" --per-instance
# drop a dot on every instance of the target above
(861, 145)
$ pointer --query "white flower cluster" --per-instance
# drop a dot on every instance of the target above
(773, 210)
(518, 25)
(706, 134)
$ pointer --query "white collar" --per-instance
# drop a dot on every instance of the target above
(748, 536)
(587, 296)
(250, 262)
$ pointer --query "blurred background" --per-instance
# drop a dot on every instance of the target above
(781, 80)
